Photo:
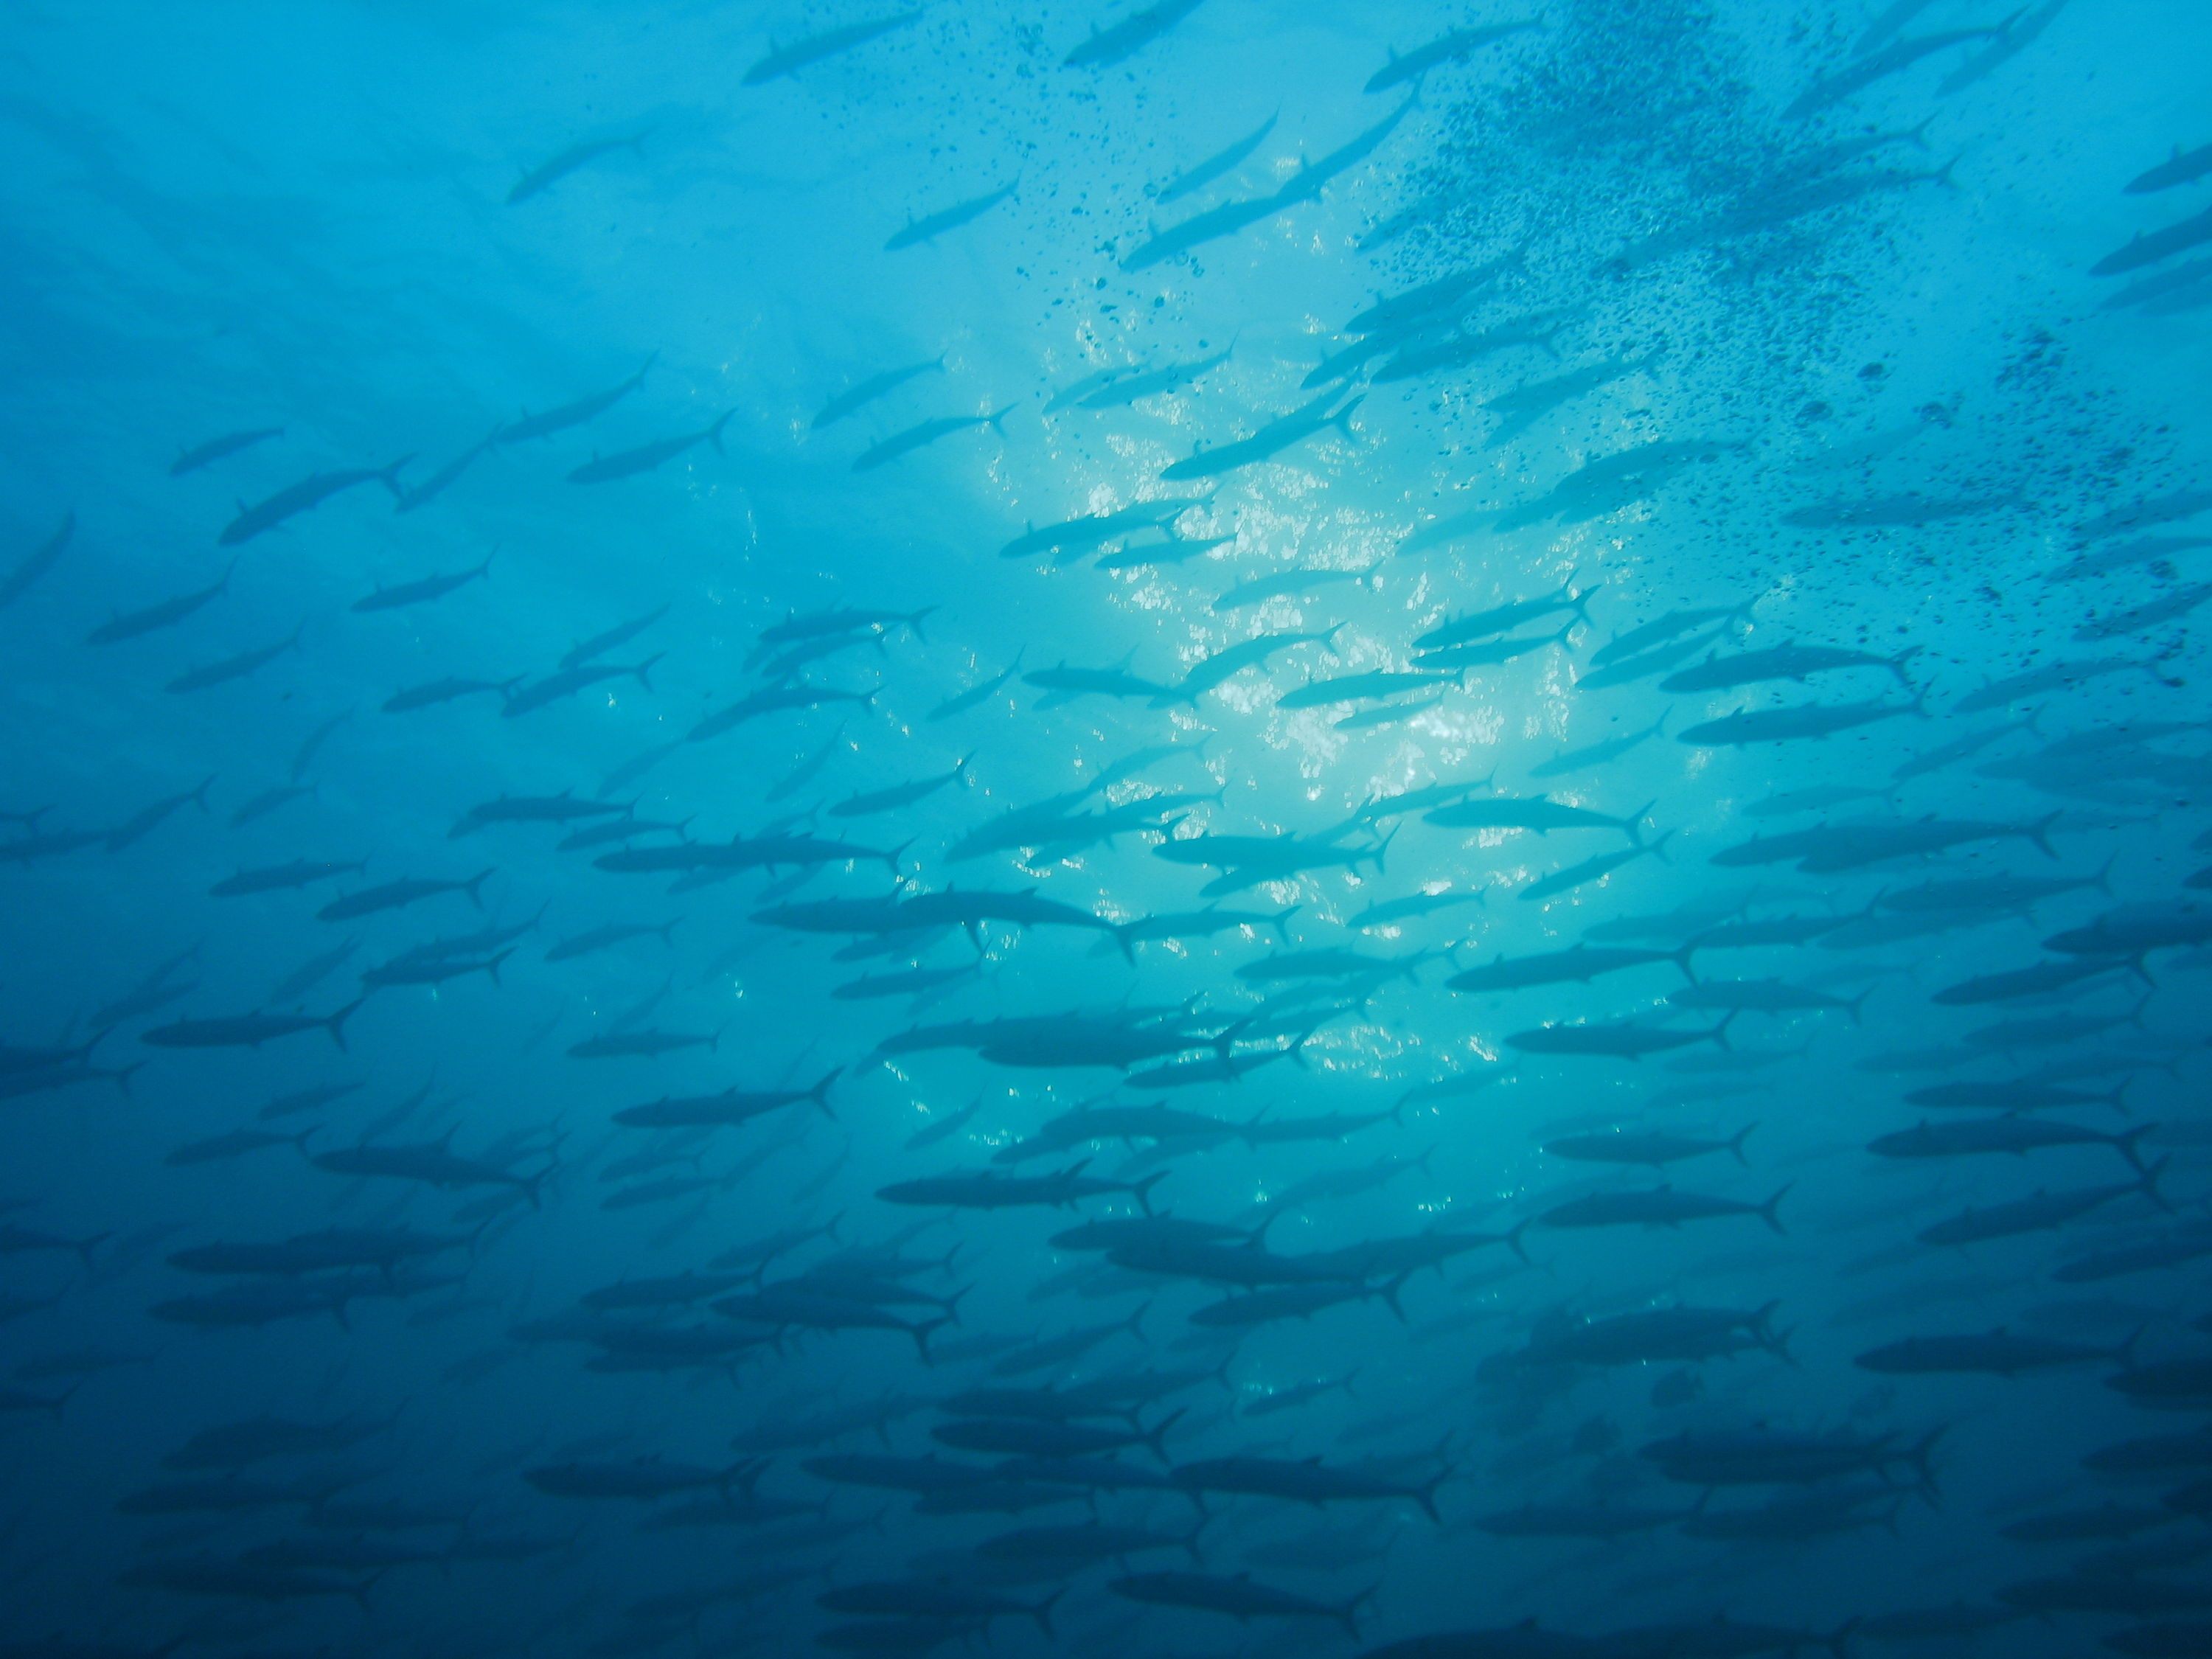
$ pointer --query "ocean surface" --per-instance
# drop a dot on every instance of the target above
(1215, 829)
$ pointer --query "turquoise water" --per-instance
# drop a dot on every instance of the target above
(1220, 829)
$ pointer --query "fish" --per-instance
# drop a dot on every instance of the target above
(424, 590)
(530, 696)
(210, 675)
(24, 574)
(2182, 167)
(2040, 1212)
(311, 492)
(166, 613)
(1654, 1150)
(1876, 64)
(862, 392)
(1271, 438)
(547, 174)
(1123, 40)
(1218, 165)
(1360, 687)
(399, 894)
(433, 692)
(930, 227)
(787, 60)
(563, 416)
(1601, 753)
(1788, 662)
(1451, 48)
(248, 1030)
(1804, 721)
(1240, 1597)
(922, 435)
(1659, 1207)
(1259, 589)
(200, 456)
(1124, 390)
(2148, 247)
(630, 463)
(1618, 1039)
(2008, 1134)
(1540, 813)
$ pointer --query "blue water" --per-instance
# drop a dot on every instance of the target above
(341, 1313)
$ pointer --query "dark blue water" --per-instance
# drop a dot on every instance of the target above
(617, 723)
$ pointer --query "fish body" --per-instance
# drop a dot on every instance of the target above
(1805, 720)
(423, 590)
(549, 172)
(630, 463)
(203, 455)
(784, 60)
(247, 1030)
(433, 692)
(1660, 1206)
(922, 435)
(2040, 1212)
(1126, 38)
(1445, 49)
(233, 668)
(861, 393)
(1863, 71)
(130, 625)
(304, 496)
(565, 416)
(539, 694)
(1359, 687)
(1221, 162)
(1150, 383)
(1270, 440)
(398, 895)
(930, 227)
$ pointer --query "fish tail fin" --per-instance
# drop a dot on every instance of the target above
(1632, 825)
(123, 1075)
(1719, 1033)
(892, 858)
(2039, 833)
(336, 1023)
(1852, 1005)
(1735, 1142)
(993, 420)
(474, 887)
(1767, 1210)
(1512, 1241)
(1348, 1614)
(1042, 1612)
(819, 1094)
(643, 671)
(2125, 1145)
(1896, 664)
(1921, 1457)
(1342, 419)
(1155, 1436)
(714, 432)
(2148, 1184)
(1389, 1295)
(1281, 916)
(1142, 1190)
